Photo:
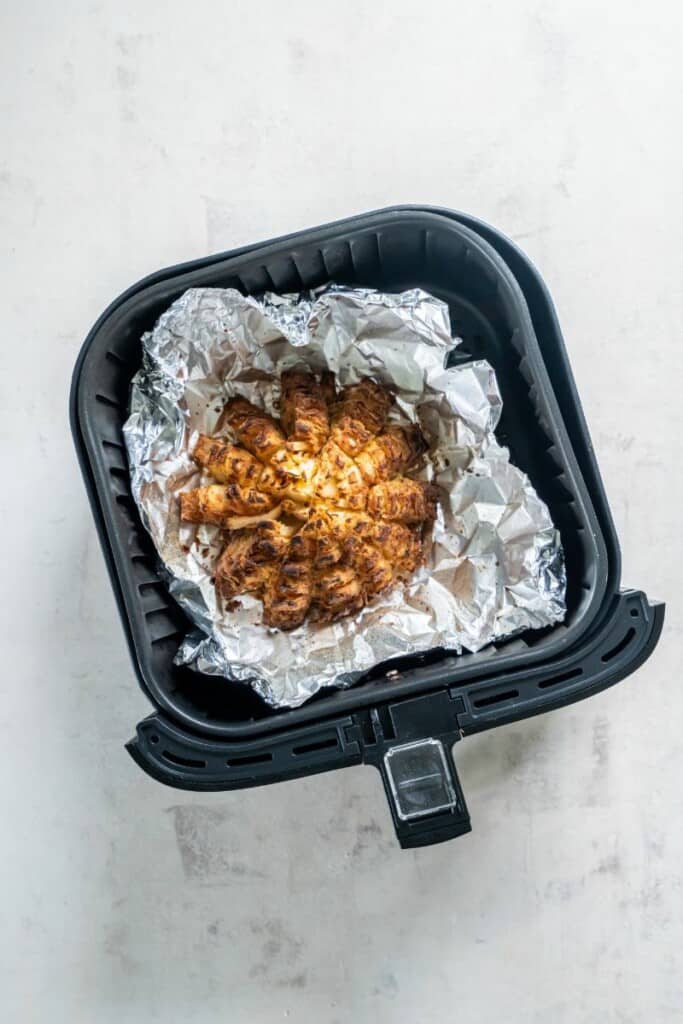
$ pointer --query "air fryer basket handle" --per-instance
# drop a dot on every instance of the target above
(424, 793)
(408, 739)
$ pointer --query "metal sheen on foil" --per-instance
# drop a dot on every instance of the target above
(495, 566)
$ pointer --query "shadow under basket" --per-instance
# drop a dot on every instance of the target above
(404, 716)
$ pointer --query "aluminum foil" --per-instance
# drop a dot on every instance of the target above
(495, 566)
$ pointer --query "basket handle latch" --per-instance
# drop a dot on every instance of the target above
(410, 741)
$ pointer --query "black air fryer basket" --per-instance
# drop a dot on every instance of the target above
(404, 716)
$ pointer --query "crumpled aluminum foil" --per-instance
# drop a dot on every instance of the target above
(496, 564)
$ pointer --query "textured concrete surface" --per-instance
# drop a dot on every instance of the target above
(137, 135)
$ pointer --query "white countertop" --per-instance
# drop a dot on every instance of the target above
(139, 135)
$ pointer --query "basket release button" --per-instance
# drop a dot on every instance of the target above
(420, 779)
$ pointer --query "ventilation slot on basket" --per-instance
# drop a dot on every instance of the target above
(312, 748)
(167, 636)
(105, 400)
(311, 268)
(152, 585)
(364, 254)
(246, 759)
(270, 284)
(113, 358)
(159, 604)
(156, 612)
(495, 698)
(563, 678)
(161, 626)
(141, 559)
(284, 275)
(557, 488)
(147, 580)
(299, 283)
(183, 762)
(127, 508)
(115, 459)
(624, 642)
(337, 259)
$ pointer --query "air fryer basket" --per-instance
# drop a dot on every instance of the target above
(392, 250)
